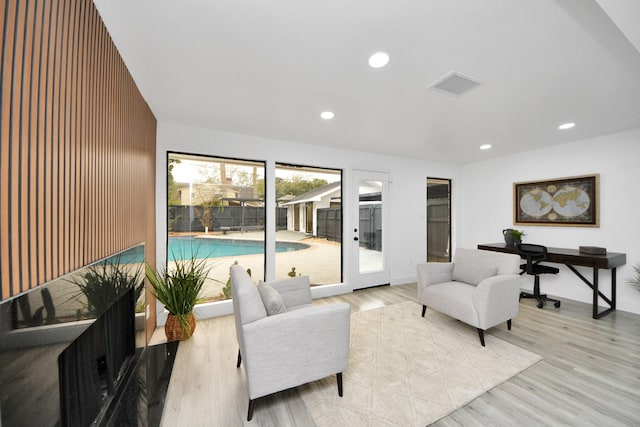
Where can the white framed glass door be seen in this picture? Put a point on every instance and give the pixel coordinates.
(369, 236)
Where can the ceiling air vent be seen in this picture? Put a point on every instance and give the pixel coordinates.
(455, 83)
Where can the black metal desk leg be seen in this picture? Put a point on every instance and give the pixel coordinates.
(595, 293)
(613, 288)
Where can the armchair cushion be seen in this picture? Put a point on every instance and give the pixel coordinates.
(246, 298)
(294, 291)
(453, 299)
(472, 274)
(271, 299)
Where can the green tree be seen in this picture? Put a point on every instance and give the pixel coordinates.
(172, 190)
(294, 186)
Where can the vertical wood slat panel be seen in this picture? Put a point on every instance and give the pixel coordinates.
(31, 116)
(71, 133)
(111, 145)
(82, 129)
(93, 155)
(77, 145)
(8, 26)
(61, 142)
(15, 160)
(64, 135)
(22, 171)
(99, 191)
(40, 141)
(88, 157)
(55, 140)
(78, 136)
(49, 259)
(96, 218)
(107, 157)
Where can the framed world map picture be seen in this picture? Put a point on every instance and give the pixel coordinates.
(571, 201)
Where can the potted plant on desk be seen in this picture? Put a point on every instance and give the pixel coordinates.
(512, 236)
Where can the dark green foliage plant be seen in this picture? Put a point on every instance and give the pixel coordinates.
(295, 186)
(635, 279)
(105, 282)
(172, 188)
(517, 235)
(178, 289)
(226, 290)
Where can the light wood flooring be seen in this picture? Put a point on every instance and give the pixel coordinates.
(590, 374)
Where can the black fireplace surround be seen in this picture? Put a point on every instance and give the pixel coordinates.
(73, 351)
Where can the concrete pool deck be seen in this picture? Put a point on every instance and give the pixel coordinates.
(321, 261)
(281, 235)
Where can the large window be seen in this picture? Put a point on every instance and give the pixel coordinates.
(216, 212)
(309, 213)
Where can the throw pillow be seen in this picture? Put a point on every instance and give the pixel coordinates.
(294, 290)
(271, 299)
(472, 274)
(244, 290)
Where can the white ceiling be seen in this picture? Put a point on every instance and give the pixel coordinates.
(270, 68)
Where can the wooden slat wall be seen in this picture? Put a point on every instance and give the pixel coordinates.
(77, 145)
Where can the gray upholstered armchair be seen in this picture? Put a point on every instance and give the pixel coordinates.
(480, 288)
(284, 340)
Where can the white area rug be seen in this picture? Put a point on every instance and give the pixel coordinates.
(411, 371)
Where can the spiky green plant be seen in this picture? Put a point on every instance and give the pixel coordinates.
(178, 289)
(105, 282)
(226, 290)
(635, 279)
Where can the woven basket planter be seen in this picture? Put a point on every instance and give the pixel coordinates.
(173, 330)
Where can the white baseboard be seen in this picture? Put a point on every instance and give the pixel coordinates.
(403, 280)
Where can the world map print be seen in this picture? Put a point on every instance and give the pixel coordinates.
(565, 201)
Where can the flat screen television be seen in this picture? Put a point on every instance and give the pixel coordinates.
(65, 345)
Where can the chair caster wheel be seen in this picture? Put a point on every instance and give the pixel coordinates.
(557, 304)
(540, 305)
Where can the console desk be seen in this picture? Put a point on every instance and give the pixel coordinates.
(572, 258)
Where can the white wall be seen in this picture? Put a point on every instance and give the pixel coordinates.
(407, 188)
(487, 207)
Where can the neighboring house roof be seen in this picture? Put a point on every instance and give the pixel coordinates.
(286, 198)
(315, 195)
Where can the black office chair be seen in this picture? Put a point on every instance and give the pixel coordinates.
(534, 254)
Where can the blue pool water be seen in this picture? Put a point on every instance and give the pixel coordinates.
(185, 247)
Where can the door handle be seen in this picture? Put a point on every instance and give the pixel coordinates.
(355, 239)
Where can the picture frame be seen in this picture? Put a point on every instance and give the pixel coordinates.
(570, 201)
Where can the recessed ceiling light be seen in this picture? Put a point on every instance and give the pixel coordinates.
(327, 115)
(485, 146)
(379, 59)
(565, 126)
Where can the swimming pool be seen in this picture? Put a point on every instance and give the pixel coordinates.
(187, 246)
